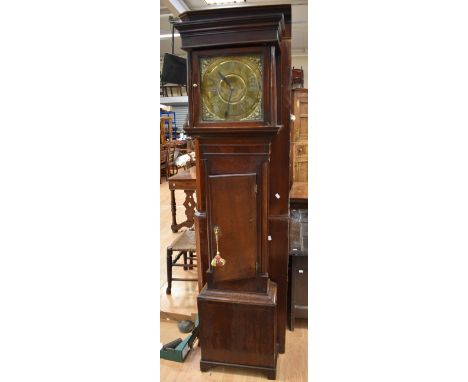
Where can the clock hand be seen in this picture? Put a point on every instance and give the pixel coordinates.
(229, 103)
(223, 77)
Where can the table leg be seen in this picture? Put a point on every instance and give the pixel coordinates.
(174, 226)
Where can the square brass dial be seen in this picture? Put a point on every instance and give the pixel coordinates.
(231, 88)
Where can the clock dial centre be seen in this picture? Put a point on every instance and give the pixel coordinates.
(232, 89)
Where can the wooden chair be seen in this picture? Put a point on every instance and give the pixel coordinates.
(184, 244)
(172, 153)
(162, 162)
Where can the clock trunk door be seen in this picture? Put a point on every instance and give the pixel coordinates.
(234, 211)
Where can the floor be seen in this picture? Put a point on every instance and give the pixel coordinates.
(292, 365)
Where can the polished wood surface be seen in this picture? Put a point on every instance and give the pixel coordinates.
(298, 196)
(279, 181)
(235, 187)
(184, 180)
(245, 343)
(235, 193)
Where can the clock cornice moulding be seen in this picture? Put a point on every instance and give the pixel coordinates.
(257, 10)
(231, 31)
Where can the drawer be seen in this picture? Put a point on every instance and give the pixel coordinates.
(300, 150)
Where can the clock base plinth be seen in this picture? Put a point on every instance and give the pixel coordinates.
(238, 329)
(270, 372)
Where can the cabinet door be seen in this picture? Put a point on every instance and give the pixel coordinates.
(233, 208)
(300, 125)
(300, 170)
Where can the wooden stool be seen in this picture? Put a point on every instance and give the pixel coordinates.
(185, 245)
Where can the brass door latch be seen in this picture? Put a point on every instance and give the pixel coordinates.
(217, 261)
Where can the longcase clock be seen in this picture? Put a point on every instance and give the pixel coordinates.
(235, 80)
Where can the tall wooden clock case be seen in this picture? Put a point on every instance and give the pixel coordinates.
(238, 81)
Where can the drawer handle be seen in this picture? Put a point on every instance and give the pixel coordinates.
(217, 260)
(301, 271)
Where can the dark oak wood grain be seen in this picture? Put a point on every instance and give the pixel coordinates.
(234, 336)
(279, 181)
(241, 169)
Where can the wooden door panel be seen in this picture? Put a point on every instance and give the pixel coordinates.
(300, 171)
(234, 211)
(303, 127)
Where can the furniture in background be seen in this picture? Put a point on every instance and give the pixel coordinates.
(298, 198)
(167, 128)
(184, 244)
(185, 180)
(298, 259)
(297, 77)
(162, 162)
(299, 133)
(169, 90)
(174, 152)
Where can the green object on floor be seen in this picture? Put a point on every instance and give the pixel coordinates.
(179, 353)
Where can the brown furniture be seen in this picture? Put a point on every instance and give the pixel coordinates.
(184, 180)
(298, 269)
(174, 149)
(297, 77)
(299, 152)
(298, 197)
(298, 276)
(166, 130)
(162, 162)
(185, 245)
(239, 108)
(298, 255)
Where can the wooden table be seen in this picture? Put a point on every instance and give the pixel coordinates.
(298, 198)
(184, 180)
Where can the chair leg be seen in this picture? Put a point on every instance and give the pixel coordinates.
(185, 260)
(191, 259)
(169, 270)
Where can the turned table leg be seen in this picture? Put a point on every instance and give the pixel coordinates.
(174, 226)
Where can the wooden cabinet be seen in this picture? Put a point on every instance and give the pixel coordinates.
(298, 268)
(299, 134)
(298, 305)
